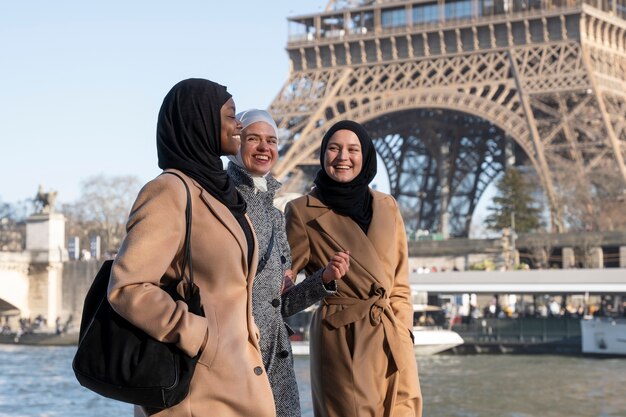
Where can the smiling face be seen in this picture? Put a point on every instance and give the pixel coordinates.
(343, 159)
(259, 148)
(230, 137)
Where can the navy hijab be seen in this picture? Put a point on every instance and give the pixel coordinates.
(352, 199)
(188, 138)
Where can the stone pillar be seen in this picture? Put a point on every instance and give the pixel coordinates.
(45, 291)
(45, 241)
(622, 256)
(597, 258)
(568, 257)
(45, 237)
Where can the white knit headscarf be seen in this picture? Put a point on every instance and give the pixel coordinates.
(247, 118)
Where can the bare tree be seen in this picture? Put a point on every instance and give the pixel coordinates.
(539, 247)
(102, 209)
(609, 195)
(12, 226)
(597, 205)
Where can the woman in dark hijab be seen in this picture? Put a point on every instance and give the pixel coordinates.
(362, 359)
(196, 125)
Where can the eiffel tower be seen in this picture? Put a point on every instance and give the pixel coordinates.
(455, 91)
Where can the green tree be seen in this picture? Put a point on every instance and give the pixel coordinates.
(515, 194)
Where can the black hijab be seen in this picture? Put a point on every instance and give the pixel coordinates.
(352, 198)
(188, 138)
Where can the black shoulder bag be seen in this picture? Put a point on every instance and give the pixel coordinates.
(119, 361)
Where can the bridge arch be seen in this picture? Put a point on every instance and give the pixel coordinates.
(15, 286)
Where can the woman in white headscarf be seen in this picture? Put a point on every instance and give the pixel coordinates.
(250, 172)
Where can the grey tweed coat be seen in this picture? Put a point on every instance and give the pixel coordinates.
(268, 307)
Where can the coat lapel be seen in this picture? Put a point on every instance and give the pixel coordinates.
(349, 236)
(381, 231)
(229, 221)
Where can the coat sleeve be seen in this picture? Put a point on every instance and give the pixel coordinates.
(153, 243)
(312, 289)
(305, 294)
(400, 297)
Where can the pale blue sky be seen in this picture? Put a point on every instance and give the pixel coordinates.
(81, 82)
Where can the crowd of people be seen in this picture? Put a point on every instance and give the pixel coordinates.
(27, 326)
(542, 307)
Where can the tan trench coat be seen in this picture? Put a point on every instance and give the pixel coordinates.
(362, 360)
(229, 379)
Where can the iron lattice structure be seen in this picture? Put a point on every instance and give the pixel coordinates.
(454, 91)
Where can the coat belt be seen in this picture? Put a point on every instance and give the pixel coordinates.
(379, 310)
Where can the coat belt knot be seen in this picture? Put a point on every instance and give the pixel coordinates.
(357, 309)
(378, 308)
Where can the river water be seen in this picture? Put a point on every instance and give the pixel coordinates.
(39, 382)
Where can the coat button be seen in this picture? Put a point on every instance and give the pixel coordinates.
(276, 302)
(284, 354)
(283, 259)
(258, 370)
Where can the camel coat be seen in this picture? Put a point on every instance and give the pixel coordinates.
(229, 379)
(362, 359)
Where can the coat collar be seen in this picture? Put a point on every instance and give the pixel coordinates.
(368, 250)
(243, 180)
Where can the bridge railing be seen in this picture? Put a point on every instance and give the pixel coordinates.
(522, 329)
(348, 24)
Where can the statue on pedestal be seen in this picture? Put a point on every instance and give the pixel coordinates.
(44, 201)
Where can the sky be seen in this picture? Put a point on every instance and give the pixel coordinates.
(81, 82)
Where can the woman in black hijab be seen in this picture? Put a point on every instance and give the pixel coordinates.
(362, 360)
(186, 140)
(189, 137)
(350, 197)
(196, 125)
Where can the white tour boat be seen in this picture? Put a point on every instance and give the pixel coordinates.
(429, 334)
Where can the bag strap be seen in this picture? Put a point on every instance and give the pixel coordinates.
(266, 257)
(187, 257)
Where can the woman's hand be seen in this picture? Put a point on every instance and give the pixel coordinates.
(337, 267)
(288, 283)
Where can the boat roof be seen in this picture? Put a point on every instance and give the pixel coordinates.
(425, 307)
(546, 281)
